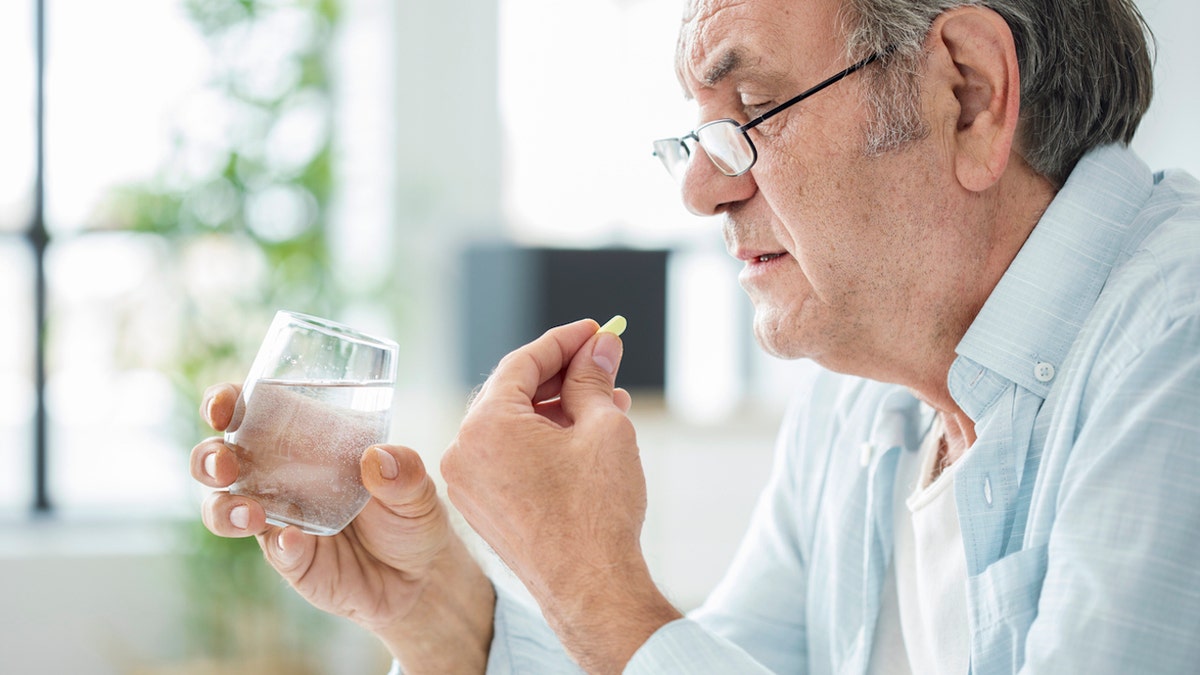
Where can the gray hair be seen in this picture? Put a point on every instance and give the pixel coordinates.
(1085, 66)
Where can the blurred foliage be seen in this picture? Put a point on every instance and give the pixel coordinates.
(241, 207)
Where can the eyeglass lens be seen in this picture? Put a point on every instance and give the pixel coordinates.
(723, 142)
(726, 146)
(674, 154)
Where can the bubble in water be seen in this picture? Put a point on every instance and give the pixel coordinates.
(299, 446)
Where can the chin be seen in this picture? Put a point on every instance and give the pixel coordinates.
(778, 337)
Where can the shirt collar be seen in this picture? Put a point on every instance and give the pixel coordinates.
(1026, 327)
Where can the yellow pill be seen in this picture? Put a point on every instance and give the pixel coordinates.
(615, 325)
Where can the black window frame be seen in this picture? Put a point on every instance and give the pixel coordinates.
(38, 240)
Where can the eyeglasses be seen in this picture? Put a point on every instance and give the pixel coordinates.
(726, 142)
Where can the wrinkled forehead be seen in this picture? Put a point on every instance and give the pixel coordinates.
(756, 39)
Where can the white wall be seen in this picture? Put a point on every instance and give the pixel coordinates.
(1169, 136)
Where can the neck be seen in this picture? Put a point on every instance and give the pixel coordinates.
(959, 435)
(991, 237)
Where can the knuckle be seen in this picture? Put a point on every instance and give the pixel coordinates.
(208, 512)
(593, 378)
(474, 396)
(461, 455)
(449, 464)
(615, 425)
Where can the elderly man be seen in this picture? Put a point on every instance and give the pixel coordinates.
(1003, 475)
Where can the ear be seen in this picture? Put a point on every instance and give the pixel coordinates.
(976, 85)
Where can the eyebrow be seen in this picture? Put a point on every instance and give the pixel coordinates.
(729, 62)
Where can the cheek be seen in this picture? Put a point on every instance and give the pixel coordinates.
(822, 202)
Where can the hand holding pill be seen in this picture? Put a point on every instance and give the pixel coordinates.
(546, 468)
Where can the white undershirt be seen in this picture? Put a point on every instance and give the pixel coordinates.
(922, 626)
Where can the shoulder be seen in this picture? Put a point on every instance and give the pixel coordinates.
(1156, 283)
(1148, 314)
(1170, 253)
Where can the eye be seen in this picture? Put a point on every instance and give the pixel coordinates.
(753, 108)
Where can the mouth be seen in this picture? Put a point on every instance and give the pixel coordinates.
(755, 258)
(760, 266)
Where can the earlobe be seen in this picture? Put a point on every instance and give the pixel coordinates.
(983, 81)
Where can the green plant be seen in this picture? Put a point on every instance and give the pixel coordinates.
(240, 207)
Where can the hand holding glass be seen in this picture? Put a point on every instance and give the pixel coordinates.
(318, 394)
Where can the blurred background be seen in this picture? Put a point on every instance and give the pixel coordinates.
(457, 175)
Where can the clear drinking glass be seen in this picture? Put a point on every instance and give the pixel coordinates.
(317, 395)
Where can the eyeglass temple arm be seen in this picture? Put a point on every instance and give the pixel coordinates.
(814, 89)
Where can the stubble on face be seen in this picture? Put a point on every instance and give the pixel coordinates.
(848, 222)
(890, 257)
(728, 51)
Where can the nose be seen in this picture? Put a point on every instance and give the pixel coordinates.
(707, 191)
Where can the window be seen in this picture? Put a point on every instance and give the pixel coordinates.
(578, 125)
(159, 118)
(18, 134)
(109, 111)
(17, 116)
(16, 375)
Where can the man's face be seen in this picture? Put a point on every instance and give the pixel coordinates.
(831, 238)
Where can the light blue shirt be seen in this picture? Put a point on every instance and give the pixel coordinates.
(1079, 503)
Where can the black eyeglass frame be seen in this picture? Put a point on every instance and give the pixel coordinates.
(743, 128)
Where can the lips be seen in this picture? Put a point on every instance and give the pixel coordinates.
(761, 265)
(753, 245)
(758, 257)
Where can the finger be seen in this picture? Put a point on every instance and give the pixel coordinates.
(213, 463)
(552, 410)
(218, 403)
(523, 371)
(549, 405)
(289, 550)
(549, 389)
(622, 400)
(396, 478)
(227, 515)
(589, 378)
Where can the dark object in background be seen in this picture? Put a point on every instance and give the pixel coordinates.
(513, 294)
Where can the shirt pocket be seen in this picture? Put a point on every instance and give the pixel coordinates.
(1002, 603)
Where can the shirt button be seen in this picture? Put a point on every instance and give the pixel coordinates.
(987, 491)
(1044, 372)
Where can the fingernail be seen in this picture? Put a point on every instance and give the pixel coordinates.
(286, 556)
(387, 464)
(240, 517)
(607, 352)
(207, 407)
(210, 465)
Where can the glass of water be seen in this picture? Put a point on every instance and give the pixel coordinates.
(317, 395)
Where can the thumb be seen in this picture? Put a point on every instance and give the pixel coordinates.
(396, 477)
(590, 376)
